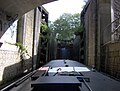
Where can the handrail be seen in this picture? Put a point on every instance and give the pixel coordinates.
(18, 82)
(112, 31)
(111, 23)
(87, 85)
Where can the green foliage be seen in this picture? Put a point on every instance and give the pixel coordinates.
(22, 49)
(79, 30)
(44, 31)
(66, 25)
(44, 27)
(44, 35)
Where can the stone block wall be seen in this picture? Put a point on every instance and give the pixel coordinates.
(97, 17)
(90, 27)
(99, 50)
(9, 65)
(76, 48)
(111, 59)
(28, 31)
(104, 18)
(103, 34)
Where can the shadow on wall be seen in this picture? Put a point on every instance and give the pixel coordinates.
(16, 71)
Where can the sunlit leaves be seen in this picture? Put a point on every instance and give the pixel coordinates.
(66, 25)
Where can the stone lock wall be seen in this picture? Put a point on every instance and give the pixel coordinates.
(110, 63)
(97, 17)
(90, 26)
(28, 31)
(10, 65)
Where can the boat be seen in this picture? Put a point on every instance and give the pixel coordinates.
(60, 75)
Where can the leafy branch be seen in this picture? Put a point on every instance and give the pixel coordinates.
(22, 49)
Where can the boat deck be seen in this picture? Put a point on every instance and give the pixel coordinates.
(98, 81)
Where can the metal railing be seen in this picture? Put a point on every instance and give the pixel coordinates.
(111, 33)
(18, 82)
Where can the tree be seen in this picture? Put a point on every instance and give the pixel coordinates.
(66, 25)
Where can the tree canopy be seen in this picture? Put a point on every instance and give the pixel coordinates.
(66, 25)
